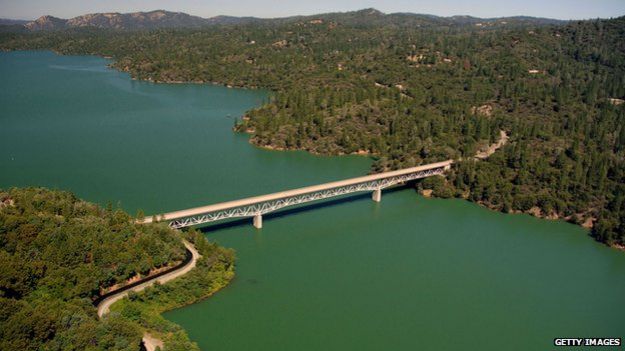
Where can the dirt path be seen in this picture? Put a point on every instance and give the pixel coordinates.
(503, 139)
(104, 305)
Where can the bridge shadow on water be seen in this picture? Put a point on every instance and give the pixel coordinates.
(344, 199)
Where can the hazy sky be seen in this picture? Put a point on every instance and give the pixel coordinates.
(562, 9)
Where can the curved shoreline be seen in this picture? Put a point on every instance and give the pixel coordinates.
(104, 302)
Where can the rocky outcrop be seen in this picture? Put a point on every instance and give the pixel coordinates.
(46, 23)
(137, 20)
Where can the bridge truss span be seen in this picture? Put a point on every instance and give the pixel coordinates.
(257, 206)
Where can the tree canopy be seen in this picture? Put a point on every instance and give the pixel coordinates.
(57, 252)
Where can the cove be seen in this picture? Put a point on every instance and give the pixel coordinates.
(70, 122)
(408, 273)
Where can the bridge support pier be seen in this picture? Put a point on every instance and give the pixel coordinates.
(376, 195)
(258, 221)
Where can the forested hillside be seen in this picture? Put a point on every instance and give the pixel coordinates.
(410, 89)
(57, 251)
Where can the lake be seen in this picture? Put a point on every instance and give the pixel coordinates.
(407, 273)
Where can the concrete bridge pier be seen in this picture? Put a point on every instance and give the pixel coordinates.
(377, 195)
(258, 221)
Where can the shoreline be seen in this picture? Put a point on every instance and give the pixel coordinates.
(213, 271)
(173, 81)
(363, 153)
(269, 147)
(428, 193)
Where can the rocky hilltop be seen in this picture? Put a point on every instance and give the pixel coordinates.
(131, 21)
(137, 20)
(46, 23)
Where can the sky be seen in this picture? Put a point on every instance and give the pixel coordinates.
(560, 9)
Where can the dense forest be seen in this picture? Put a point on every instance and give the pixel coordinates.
(408, 89)
(57, 252)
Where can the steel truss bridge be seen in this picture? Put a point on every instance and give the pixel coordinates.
(257, 206)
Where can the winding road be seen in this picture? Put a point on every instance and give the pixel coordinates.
(105, 304)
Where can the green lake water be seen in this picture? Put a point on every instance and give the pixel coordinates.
(408, 273)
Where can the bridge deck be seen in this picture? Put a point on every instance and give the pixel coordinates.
(295, 192)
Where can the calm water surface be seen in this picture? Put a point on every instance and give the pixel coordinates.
(69, 122)
(408, 273)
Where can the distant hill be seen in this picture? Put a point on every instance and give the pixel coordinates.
(11, 25)
(11, 22)
(373, 17)
(366, 17)
(132, 21)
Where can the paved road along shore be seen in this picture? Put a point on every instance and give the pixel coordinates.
(104, 305)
